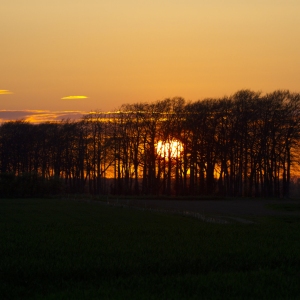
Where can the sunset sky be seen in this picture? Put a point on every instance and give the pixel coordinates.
(64, 55)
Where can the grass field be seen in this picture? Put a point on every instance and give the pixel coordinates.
(59, 249)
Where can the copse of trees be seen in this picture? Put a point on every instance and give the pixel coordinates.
(243, 145)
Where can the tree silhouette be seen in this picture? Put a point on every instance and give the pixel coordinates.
(246, 144)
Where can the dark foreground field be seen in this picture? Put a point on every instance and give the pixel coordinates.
(59, 249)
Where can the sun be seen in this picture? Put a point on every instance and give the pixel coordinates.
(168, 149)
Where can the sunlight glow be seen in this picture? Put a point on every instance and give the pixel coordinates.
(74, 97)
(168, 149)
(5, 92)
(40, 116)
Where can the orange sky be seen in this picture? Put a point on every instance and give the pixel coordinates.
(114, 52)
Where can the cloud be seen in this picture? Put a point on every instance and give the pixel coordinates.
(5, 92)
(39, 116)
(74, 97)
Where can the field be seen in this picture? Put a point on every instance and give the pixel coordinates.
(71, 249)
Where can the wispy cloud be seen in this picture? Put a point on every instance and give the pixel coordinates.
(5, 92)
(39, 116)
(74, 97)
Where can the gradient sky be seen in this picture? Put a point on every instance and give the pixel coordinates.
(114, 51)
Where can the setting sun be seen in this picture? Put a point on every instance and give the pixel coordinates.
(168, 149)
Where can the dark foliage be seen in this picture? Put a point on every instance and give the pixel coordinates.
(29, 185)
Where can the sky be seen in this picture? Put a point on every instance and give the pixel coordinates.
(77, 56)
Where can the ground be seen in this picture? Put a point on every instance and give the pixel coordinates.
(241, 209)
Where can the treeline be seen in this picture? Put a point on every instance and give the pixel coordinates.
(243, 145)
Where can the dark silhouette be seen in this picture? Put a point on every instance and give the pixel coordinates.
(242, 145)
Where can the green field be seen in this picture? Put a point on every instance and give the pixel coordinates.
(59, 249)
